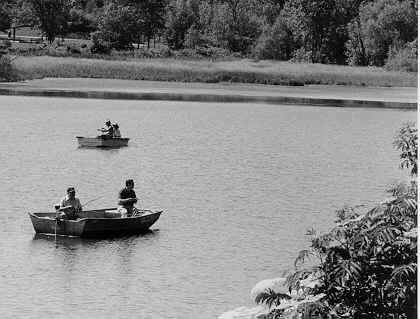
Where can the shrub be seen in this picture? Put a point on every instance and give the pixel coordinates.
(213, 52)
(143, 52)
(7, 69)
(203, 52)
(195, 38)
(406, 141)
(73, 50)
(301, 55)
(404, 59)
(5, 46)
(99, 44)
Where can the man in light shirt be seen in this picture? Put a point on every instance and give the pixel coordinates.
(70, 205)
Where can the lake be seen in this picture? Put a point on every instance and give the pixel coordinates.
(239, 185)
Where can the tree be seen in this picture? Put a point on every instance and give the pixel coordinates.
(52, 16)
(152, 13)
(320, 27)
(366, 266)
(276, 41)
(5, 18)
(182, 14)
(236, 26)
(22, 14)
(118, 28)
(81, 22)
(381, 25)
(271, 10)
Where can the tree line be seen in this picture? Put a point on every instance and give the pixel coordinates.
(355, 32)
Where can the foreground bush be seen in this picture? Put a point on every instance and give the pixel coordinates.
(366, 266)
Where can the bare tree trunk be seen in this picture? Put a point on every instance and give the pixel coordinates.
(362, 47)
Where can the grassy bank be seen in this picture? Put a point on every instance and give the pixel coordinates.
(207, 71)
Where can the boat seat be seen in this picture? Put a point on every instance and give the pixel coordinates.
(114, 213)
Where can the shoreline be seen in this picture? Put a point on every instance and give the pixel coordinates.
(316, 95)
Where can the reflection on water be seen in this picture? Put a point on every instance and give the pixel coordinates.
(102, 148)
(240, 183)
(202, 97)
(73, 241)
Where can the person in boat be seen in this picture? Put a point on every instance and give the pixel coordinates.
(116, 128)
(70, 206)
(126, 199)
(108, 130)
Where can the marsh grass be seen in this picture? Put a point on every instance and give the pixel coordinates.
(208, 71)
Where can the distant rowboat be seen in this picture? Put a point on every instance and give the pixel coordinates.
(94, 223)
(102, 142)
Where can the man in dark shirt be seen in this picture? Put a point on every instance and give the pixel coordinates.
(127, 199)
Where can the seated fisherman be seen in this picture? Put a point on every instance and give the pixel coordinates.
(127, 199)
(108, 130)
(69, 206)
(116, 128)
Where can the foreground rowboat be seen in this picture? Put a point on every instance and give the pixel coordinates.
(94, 223)
(102, 142)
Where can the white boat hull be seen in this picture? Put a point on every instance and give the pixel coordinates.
(98, 223)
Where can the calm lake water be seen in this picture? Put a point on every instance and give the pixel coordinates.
(239, 183)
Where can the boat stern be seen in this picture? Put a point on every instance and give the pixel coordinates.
(45, 223)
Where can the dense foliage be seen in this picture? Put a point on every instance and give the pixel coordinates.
(117, 28)
(356, 32)
(5, 18)
(366, 266)
(380, 27)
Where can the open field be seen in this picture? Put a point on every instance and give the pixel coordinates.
(208, 71)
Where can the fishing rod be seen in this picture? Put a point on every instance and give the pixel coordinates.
(92, 200)
(57, 206)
